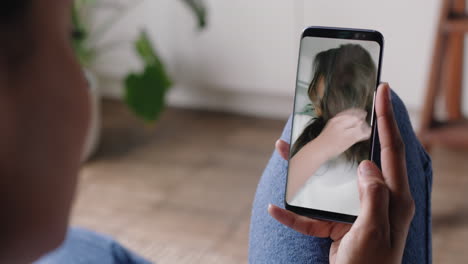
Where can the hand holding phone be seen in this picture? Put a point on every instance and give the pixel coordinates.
(380, 231)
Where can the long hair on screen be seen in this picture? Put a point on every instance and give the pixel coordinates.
(349, 76)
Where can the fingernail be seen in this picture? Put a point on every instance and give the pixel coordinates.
(366, 168)
(269, 206)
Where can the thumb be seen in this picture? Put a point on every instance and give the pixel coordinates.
(374, 196)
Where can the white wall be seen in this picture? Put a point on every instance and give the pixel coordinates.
(246, 60)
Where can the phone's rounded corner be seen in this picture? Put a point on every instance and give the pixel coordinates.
(379, 37)
(306, 31)
(311, 31)
(292, 208)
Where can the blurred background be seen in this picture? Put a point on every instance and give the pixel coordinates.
(190, 96)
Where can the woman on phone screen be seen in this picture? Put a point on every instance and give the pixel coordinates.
(325, 156)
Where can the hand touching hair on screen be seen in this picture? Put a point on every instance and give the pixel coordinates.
(341, 91)
(380, 231)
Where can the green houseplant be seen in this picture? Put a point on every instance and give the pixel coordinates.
(145, 90)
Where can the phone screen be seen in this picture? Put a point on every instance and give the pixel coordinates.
(332, 122)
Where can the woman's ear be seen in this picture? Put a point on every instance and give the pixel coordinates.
(321, 87)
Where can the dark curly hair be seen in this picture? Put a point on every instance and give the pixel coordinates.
(349, 74)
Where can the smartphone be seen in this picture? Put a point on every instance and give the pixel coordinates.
(333, 122)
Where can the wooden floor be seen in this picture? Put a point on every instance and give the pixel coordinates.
(450, 206)
(180, 191)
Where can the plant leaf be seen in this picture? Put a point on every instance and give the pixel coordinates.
(146, 91)
(199, 9)
(144, 49)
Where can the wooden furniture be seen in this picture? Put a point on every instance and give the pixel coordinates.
(445, 78)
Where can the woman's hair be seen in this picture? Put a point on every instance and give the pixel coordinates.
(349, 75)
